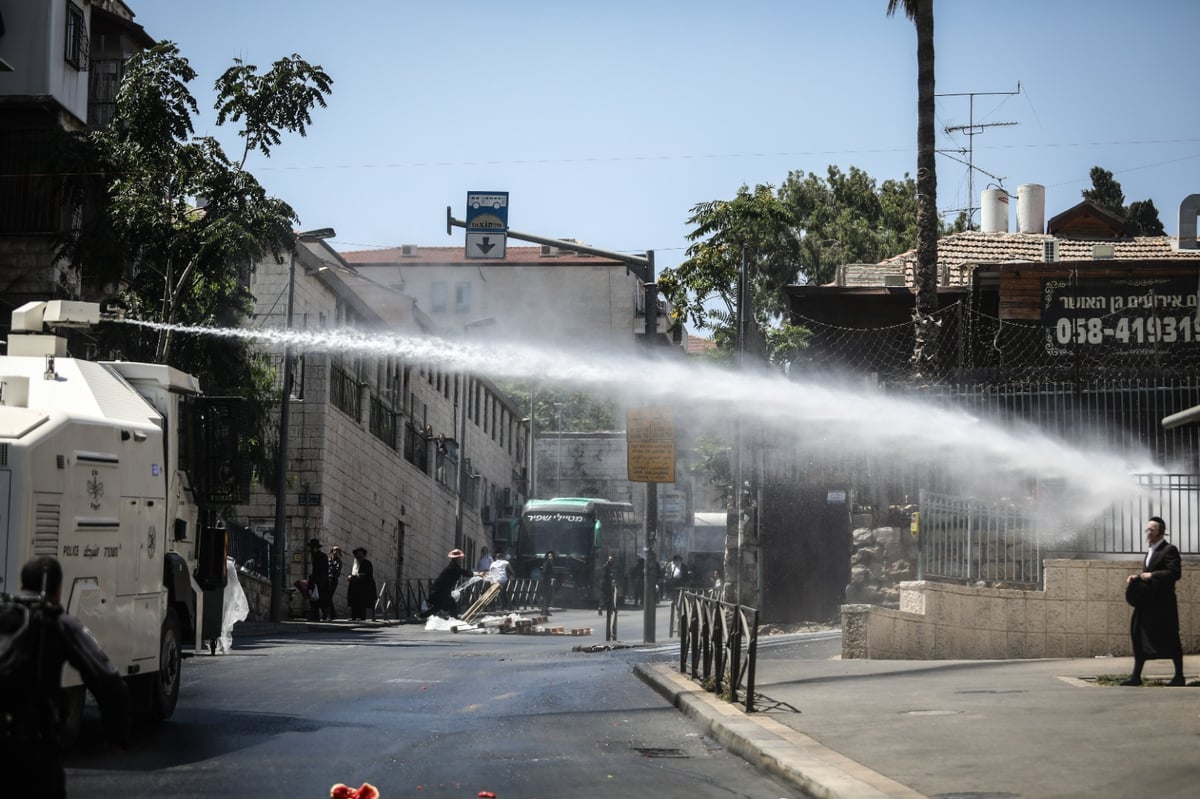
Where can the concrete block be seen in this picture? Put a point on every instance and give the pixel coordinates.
(1056, 617)
(1076, 584)
(1035, 613)
(1077, 617)
(1102, 584)
(1076, 645)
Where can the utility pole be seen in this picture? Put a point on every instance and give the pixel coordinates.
(278, 554)
(972, 130)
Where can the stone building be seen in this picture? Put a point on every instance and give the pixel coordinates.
(61, 62)
(538, 294)
(374, 441)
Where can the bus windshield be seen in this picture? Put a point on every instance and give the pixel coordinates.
(567, 533)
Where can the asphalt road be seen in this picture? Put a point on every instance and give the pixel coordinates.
(417, 713)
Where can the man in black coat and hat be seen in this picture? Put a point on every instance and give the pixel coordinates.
(441, 598)
(318, 578)
(361, 587)
(1154, 628)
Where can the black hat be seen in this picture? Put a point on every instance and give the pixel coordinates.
(359, 551)
(313, 542)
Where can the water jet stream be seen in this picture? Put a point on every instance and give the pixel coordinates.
(846, 418)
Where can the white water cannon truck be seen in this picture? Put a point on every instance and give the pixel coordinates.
(116, 469)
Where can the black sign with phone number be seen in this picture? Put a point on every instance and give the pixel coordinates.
(1120, 315)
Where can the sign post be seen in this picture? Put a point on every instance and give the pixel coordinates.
(486, 224)
(650, 459)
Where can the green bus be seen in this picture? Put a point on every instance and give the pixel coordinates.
(580, 531)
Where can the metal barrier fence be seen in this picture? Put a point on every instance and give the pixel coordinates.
(249, 550)
(969, 540)
(720, 640)
(403, 599)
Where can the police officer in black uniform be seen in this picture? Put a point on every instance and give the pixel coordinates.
(38, 637)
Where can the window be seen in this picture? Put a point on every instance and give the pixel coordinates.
(344, 394)
(383, 421)
(462, 297)
(437, 297)
(76, 50)
(416, 447)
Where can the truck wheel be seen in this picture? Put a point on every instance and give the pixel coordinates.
(164, 692)
(72, 720)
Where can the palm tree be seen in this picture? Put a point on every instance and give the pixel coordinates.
(925, 328)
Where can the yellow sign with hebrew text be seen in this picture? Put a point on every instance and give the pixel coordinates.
(650, 442)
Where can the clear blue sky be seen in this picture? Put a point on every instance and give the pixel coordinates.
(608, 121)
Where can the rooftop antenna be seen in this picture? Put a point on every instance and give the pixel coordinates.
(972, 130)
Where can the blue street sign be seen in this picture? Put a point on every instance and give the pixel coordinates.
(487, 211)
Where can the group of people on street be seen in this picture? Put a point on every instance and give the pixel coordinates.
(495, 570)
(669, 577)
(324, 575)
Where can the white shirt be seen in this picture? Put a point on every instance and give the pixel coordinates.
(498, 572)
(1150, 551)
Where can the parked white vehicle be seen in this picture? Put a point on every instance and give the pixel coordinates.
(112, 467)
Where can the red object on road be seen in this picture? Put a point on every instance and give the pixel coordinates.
(365, 791)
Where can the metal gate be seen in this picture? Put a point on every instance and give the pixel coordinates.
(999, 541)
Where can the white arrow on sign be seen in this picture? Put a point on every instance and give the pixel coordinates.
(485, 244)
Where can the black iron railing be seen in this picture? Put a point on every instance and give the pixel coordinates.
(718, 642)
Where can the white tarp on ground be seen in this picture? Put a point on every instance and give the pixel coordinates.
(236, 608)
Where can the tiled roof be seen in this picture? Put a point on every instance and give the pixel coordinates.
(960, 253)
(456, 256)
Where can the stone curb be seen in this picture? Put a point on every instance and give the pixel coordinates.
(795, 758)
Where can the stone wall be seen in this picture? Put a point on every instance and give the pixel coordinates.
(1080, 613)
(881, 559)
(258, 596)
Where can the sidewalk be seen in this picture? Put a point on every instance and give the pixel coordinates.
(862, 729)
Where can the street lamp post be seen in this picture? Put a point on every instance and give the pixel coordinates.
(279, 553)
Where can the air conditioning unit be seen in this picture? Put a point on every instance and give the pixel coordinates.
(548, 251)
(1050, 250)
(408, 250)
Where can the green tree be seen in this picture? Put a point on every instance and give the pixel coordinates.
(1105, 191)
(1141, 217)
(925, 333)
(755, 227)
(174, 226)
(849, 218)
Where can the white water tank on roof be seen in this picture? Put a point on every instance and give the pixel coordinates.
(1031, 208)
(993, 211)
